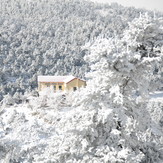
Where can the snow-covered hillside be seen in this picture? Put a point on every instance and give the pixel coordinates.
(113, 119)
(45, 37)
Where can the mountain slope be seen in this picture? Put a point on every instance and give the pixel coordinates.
(46, 37)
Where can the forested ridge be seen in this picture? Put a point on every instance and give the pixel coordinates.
(117, 117)
(45, 37)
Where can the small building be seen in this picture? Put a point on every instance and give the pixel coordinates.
(60, 83)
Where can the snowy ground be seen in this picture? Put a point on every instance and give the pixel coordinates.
(26, 128)
(29, 133)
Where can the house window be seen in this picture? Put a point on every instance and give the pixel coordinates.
(54, 87)
(74, 88)
(60, 87)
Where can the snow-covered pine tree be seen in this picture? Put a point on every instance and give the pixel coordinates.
(113, 123)
(128, 64)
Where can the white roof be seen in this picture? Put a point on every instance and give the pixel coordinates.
(64, 79)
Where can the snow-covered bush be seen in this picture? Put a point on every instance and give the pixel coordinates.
(8, 100)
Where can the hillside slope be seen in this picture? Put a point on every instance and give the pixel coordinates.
(46, 37)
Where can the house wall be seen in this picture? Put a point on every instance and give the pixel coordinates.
(44, 85)
(75, 83)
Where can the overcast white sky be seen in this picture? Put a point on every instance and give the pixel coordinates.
(147, 4)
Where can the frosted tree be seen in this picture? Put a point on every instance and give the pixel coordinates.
(127, 65)
(114, 123)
